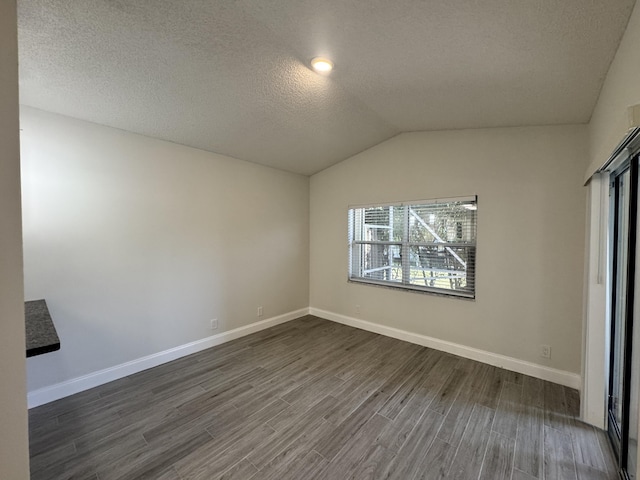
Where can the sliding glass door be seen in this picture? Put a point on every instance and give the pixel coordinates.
(620, 205)
(625, 340)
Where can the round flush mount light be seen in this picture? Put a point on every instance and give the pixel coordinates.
(322, 65)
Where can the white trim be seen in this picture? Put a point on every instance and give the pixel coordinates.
(562, 377)
(593, 405)
(432, 201)
(79, 384)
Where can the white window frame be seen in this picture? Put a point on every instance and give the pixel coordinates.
(408, 210)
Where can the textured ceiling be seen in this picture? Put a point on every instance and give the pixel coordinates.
(231, 76)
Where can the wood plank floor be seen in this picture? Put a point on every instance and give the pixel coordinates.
(312, 399)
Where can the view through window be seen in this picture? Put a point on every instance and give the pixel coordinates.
(428, 245)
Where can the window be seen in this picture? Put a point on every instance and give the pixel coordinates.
(428, 245)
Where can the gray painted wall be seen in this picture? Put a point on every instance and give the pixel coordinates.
(531, 211)
(14, 452)
(137, 243)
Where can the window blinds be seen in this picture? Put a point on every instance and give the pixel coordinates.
(428, 245)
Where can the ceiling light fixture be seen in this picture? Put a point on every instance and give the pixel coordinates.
(322, 65)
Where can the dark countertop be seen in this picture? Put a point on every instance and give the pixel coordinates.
(41, 333)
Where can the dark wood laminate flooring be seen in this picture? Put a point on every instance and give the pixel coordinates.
(312, 399)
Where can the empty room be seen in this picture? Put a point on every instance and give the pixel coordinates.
(319, 240)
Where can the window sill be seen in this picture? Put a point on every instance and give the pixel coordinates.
(428, 291)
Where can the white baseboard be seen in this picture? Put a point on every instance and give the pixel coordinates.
(562, 377)
(85, 382)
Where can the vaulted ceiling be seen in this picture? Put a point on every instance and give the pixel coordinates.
(233, 76)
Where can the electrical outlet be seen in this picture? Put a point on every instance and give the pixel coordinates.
(259, 311)
(214, 324)
(357, 308)
(545, 351)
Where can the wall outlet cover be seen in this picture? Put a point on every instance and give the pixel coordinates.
(545, 351)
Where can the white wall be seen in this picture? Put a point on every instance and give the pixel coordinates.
(531, 212)
(137, 243)
(14, 452)
(621, 89)
(609, 123)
